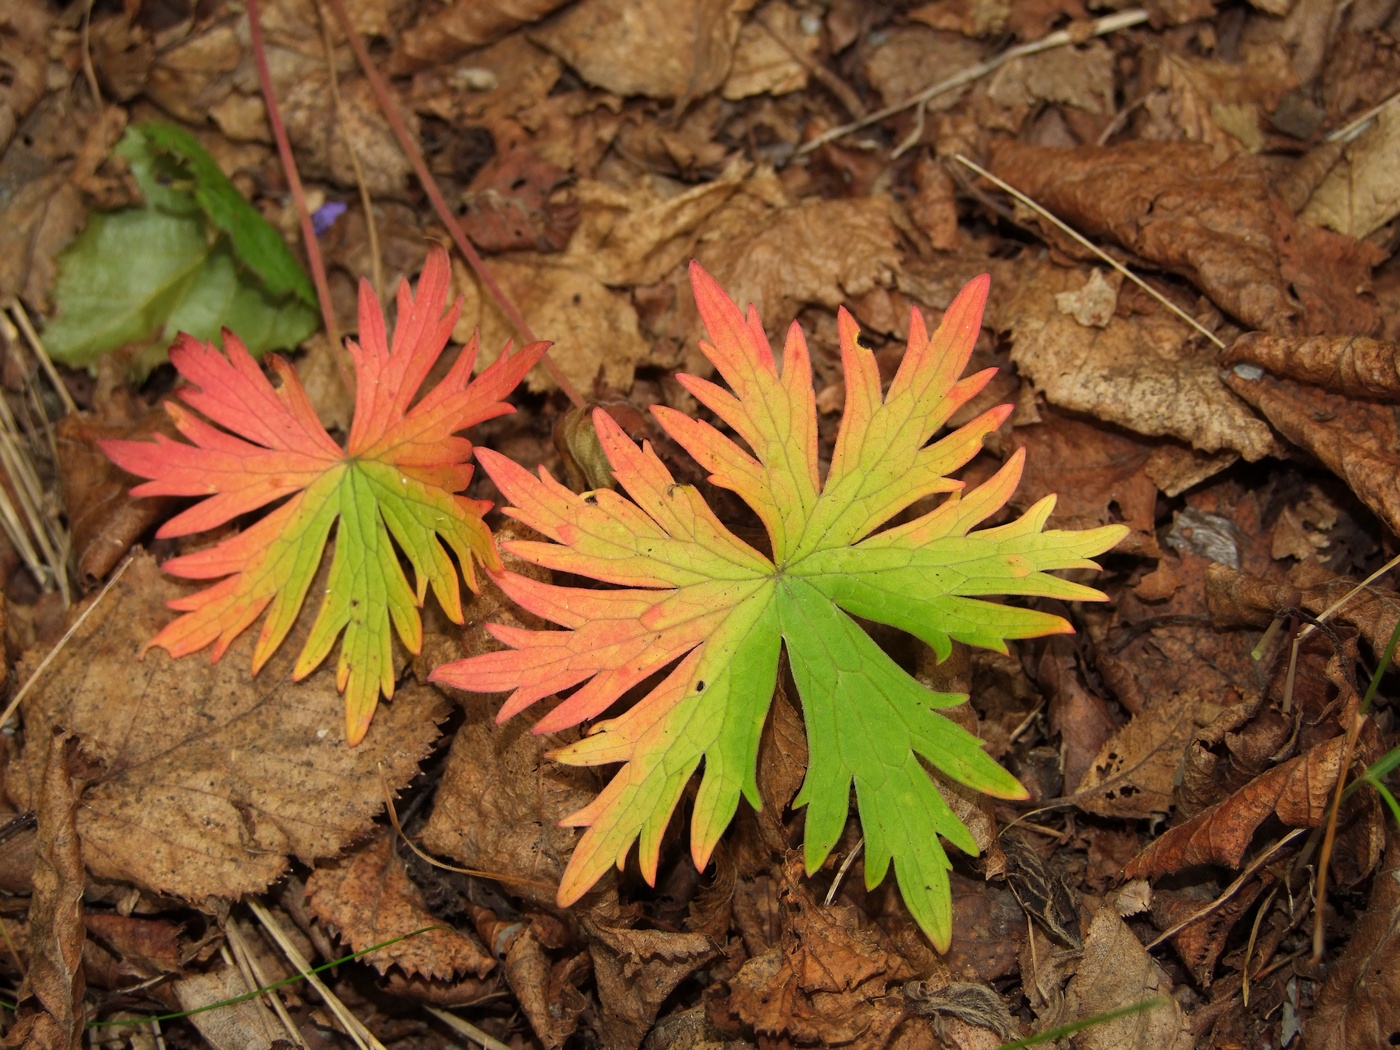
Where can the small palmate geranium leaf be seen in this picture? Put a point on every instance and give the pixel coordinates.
(393, 488)
(689, 590)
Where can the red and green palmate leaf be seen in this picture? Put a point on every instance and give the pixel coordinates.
(393, 488)
(691, 594)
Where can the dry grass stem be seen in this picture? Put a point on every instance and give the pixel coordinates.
(467, 1029)
(1080, 238)
(362, 1036)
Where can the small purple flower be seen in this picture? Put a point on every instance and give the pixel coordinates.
(323, 218)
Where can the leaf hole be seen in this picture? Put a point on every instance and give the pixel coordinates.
(700, 686)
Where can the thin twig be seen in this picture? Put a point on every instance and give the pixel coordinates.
(430, 187)
(1329, 837)
(1100, 27)
(845, 94)
(289, 166)
(393, 813)
(89, 73)
(52, 653)
(1230, 890)
(466, 1028)
(841, 871)
(352, 1025)
(1079, 237)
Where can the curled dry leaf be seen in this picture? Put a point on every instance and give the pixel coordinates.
(50, 1012)
(1224, 228)
(1148, 372)
(1354, 439)
(637, 969)
(368, 898)
(1355, 365)
(212, 780)
(1237, 598)
(1297, 792)
(1359, 1005)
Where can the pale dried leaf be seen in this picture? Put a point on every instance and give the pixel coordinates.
(213, 778)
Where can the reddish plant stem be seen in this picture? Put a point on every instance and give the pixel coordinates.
(289, 166)
(454, 228)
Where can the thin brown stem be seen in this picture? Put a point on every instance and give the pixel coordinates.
(289, 165)
(454, 228)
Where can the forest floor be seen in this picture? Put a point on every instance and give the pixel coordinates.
(1200, 835)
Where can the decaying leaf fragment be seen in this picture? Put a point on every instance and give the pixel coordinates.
(393, 487)
(691, 591)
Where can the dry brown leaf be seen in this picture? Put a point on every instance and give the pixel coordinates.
(1146, 372)
(1358, 1007)
(1359, 194)
(670, 49)
(1354, 365)
(1135, 771)
(638, 234)
(500, 801)
(444, 32)
(368, 898)
(1297, 792)
(50, 1013)
(1354, 439)
(1097, 473)
(1224, 228)
(1113, 972)
(594, 330)
(245, 1025)
(210, 778)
